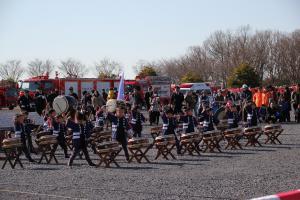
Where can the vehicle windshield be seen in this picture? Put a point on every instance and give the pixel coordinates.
(30, 86)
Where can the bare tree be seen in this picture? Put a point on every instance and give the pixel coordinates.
(107, 68)
(38, 67)
(11, 70)
(73, 68)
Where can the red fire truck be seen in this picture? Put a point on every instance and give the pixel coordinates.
(8, 94)
(63, 85)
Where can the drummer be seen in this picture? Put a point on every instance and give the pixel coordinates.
(100, 117)
(231, 115)
(189, 121)
(77, 125)
(169, 126)
(250, 114)
(121, 128)
(59, 130)
(20, 133)
(208, 120)
(137, 118)
(29, 126)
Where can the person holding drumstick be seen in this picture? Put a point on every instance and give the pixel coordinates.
(59, 130)
(169, 126)
(137, 118)
(20, 133)
(77, 126)
(188, 120)
(121, 128)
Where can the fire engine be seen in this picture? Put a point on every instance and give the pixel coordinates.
(161, 85)
(8, 94)
(63, 85)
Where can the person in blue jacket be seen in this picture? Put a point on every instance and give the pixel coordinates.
(59, 130)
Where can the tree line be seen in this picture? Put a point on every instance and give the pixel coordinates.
(274, 56)
(14, 69)
(265, 56)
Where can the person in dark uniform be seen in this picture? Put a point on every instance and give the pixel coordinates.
(79, 143)
(177, 100)
(148, 96)
(21, 133)
(208, 120)
(231, 115)
(121, 128)
(40, 101)
(24, 100)
(189, 121)
(137, 118)
(72, 93)
(29, 126)
(59, 130)
(250, 114)
(100, 116)
(170, 125)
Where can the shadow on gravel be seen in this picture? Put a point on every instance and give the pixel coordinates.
(168, 163)
(281, 147)
(130, 168)
(237, 153)
(261, 149)
(216, 156)
(195, 160)
(44, 169)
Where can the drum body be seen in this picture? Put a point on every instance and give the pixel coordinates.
(105, 147)
(47, 140)
(189, 136)
(63, 103)
(165, 138)
(272, 127)
(252, 129)
(11, 143)
(135, 141)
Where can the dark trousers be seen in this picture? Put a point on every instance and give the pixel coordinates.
(154, 117)
(62, 144)
(123, 140)
(80, 146)
(25, 149)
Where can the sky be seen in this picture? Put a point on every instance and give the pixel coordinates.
(128, 30)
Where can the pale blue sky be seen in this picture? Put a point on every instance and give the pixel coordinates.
(128, 30)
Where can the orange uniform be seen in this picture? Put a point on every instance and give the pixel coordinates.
(258, 99)
(266, 96)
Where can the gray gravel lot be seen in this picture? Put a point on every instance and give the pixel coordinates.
(232, 174)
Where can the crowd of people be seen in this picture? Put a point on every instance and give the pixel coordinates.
(192, 110)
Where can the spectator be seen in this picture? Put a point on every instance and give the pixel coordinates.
(296, 102)
(97, 100)
(177, 100)
(24, 100)
(72, 93)
(52, 96)
(190, 100)
(148, 96)
(257, 98)
(104, 95)
(40, 101)
(288, 98)
(246, 94)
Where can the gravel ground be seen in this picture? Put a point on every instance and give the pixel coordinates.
(232, 174)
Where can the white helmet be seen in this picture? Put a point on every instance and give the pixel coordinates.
(245, 86)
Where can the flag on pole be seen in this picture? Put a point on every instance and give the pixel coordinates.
(121, 88)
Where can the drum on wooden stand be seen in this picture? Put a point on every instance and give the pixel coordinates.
(10, 143)
(63, 103)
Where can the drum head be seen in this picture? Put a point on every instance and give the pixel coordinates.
(220, 114)
(60, 104)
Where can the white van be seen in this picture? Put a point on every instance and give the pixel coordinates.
(194, 87)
